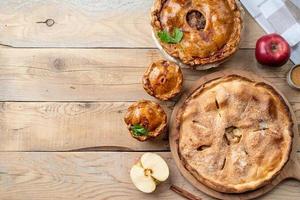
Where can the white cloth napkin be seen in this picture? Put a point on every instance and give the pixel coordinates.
(296, 3)
(280, 16)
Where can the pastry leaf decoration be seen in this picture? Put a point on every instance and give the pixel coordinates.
(175, 38)
(138, 130)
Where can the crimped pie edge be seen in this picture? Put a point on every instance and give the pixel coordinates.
(241, 187)
(199, 63)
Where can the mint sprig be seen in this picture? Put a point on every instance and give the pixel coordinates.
(175, 38)
(138, 130)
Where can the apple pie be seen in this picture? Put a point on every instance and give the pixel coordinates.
(145, 120)
(197, 33)
(163, 80)
(235, 134)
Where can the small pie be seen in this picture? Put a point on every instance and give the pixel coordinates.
(211, 29)
(163, 80)
(235, 134)
(145, 119)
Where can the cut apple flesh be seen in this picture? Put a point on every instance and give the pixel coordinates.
(144, 183)
(148, 172)
(160, 169)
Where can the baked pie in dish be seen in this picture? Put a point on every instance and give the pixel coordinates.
(145, 120)
(211, 30)
(163, 80)
(235, 134)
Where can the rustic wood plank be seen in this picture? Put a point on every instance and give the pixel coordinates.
(79, 23)
(100, 74)
(59, 126)
(69, 126)
(95, 175)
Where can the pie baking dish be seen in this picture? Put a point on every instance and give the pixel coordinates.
(235, 134)
(211, 28)
(163, 80)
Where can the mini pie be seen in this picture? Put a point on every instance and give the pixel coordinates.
(235, 134)
(163, 80)
(211, 28)
(149, 115)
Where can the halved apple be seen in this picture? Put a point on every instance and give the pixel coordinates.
(149, 172)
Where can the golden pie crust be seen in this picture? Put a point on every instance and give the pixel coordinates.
(211, 28)
(235, 134)
(163, 80)
(148, 114)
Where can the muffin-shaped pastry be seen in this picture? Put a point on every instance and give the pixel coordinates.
(197, 33)
(145, 120)
(163, 80)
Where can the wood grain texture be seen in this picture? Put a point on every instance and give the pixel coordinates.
(79, 23)
(70, 126)
(97, 175)
(101, 74)
(107, 76)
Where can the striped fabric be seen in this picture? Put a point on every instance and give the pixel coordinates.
(280, 16)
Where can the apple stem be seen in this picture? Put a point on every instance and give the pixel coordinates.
(273, 46)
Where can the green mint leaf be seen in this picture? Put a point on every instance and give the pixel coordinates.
(164, 36)
(138, 130)
(178, 35)
(175, 38)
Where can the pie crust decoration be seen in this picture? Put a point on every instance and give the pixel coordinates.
(211, 28)
(163, 80)
(235, 134)
(149, 115)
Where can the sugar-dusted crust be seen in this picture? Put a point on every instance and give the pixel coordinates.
(163, 80)
(235, 135)
(148, 114)
(215, 43)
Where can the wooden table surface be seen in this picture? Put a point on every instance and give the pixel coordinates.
(68, 71)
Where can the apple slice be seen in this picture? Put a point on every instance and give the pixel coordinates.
(144, 182)
(149, 172)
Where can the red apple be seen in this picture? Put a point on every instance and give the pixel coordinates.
(272, 50)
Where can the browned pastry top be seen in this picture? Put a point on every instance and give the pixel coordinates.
(235, 134)
(163, 80)
(211, 28)
(149, 115)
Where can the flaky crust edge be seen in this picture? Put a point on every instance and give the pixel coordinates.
(242, 187)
